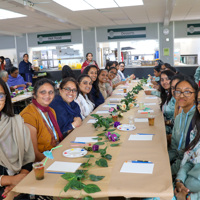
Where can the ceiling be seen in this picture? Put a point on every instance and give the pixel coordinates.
(51, 16)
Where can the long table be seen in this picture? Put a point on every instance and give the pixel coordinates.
(158, 184)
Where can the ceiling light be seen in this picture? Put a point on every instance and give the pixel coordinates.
(6, 14)
(125, 3)
(100, 4)
(74, 5)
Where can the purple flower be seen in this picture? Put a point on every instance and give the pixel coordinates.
(116, 124)
(95, 147)
(114, 137)
(118, 108)
(109, 135)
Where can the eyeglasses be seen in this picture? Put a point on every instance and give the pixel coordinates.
(69, 90)
(43, 92)
(178, 93)
(2, 96)
(86, 83)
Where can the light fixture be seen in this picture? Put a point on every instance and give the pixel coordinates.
(75, 5)
(100, 4)
(125, 3)
(6, 14)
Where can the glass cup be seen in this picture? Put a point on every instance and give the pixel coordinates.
(141, 105)
(130, 120)
(16, 91)
(129, 80)
(125, 90)
(115, 116)
(151, 119)
(39, 170)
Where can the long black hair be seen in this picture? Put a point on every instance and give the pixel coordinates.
(166, 95)
(178, 77)
(109, 64)
(95, 83)
(80, 78)
(8, 108)
(157, 68)
(67, 72)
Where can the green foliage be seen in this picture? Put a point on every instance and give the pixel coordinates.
(99, 143)
(95, 178)
(108, 156)
(88, 156)
(91, 188)
(114, 145)
(88, 198)
(102, 162)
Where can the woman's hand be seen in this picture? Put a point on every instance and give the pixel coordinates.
(77, 122)
(180, 187)
(29, 83)
(180, 195)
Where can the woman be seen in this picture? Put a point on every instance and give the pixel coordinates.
(2, 61)
(185, 94)
(109, 64)
(16, 81)
(96, 95)
(167, 66)
(157, 72)
(41, 119)
(197, 75)
(84, 99)
(112, 72)
(159, 63)
(187, 179)
(120, 71)
(15, 164)
(4, 77)
(67, 110)
(167, 100)
(67, 72)
(88, 61)
(103, 78)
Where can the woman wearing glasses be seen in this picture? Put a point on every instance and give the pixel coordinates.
(41, 119)
(185, 94)
(67, 110)
(16, 149)
(84, 99)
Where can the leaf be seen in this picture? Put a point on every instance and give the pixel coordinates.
(101, 134)
(88, 156)
(102, 151)
(67, 186)
(111, 130)
(91, 188)
(114, 145)
(95, 138)
(80, 174)
(102, 162)
(108, 156)
(95, 178)
(99, 143)
(71, 198)
(84, 165)
(95, 115)
(88, 198)
(68, 176)
(77, 185)
(99, 138)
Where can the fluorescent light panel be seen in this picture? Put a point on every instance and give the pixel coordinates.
(100, 4)
(6, 14)
(125, 3)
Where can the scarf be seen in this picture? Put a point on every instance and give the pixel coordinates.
(51, 116)
(16, 149)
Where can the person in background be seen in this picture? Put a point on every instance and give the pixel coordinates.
(112, 73)
(4, 77)
(121, 70)
(25, 68)
(159, 63)
(16, 149)
(8, 65)
(157, 72)
(117, 78)
(67, 110)
(89, 61)
(16, 81)
(109, 64)
(2, 60)
(84, 99)
(167, 100)
(185, 94)
(67, 72)
(167, 66)
(41, 119)
(96, 95)
(187, 180)
(103, 79)
(197, 75)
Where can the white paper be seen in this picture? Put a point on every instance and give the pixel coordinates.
(85, 139)
(151, 97)
(135, 81)
(141, 119)
(120, 90)
(91, 121)
(110, 105)
(141, 137)
(150, 89)
(102, 112)
(115, 100)
(149, 104)
(59, 166)
(124, 86)
(138, 168)
(123, 94)
(149, 111)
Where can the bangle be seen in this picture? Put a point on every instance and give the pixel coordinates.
(0, 180)
(178, 181)
(73, 126)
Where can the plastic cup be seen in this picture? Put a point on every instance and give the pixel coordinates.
(16, 91)
(115, 117)
(141, 105)
(130, 120)
(125, 90)
(151, 120)
(39, 170)
(129, 80)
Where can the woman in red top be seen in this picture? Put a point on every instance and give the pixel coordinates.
(2, 66)
(88, 61)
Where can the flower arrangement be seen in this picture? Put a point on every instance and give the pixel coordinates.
(112, 136)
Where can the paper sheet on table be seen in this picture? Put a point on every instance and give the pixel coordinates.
(135, 81)
(148, 111)
(91, 121)
(110, 105)
(141, 119)
(151, 97)
(150, 104)
(123, 94)
(124, 86)
(141, 137)
(86, 139)
(120, 90)
(150, 89)
(137, 168)
(115, 100)
(58, 166)
(102, 112)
